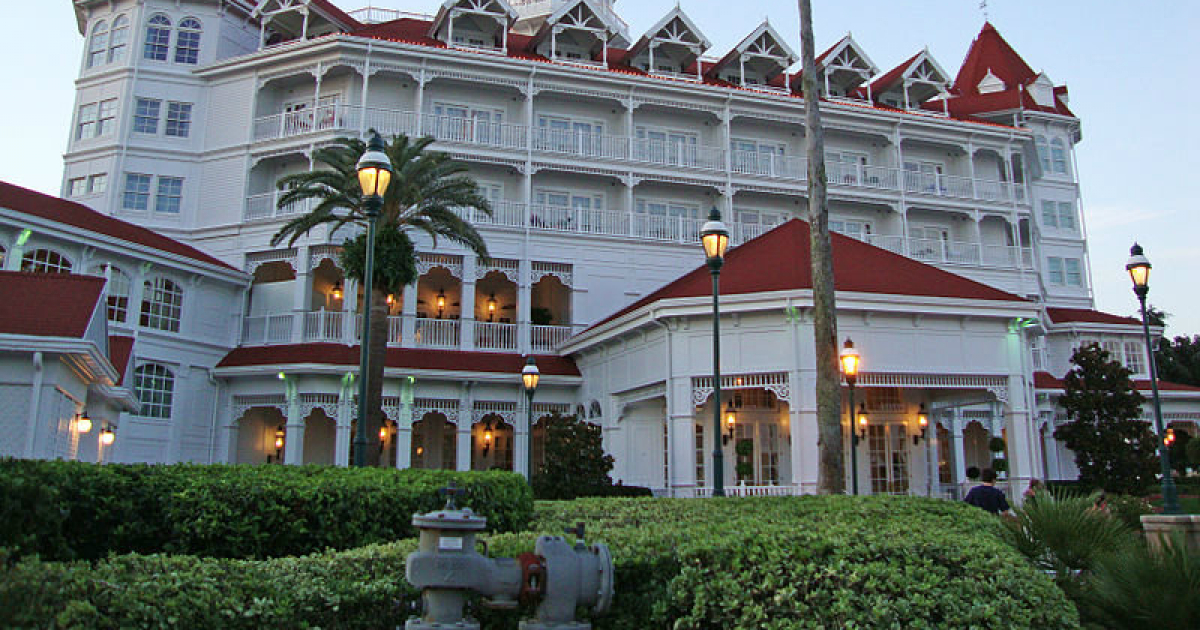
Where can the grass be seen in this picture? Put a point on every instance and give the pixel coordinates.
(1190, 504)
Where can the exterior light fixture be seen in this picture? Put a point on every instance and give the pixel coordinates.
(1170, 438)
(1138, 267)
(491, 306)
(851, 360)
(530, 375)
(107, 436)
(279, 435)
(83, 424)
(383, 433)
(730, 422)
(441, 302)
(374, 168)
(862, 421)
(390, 299)
(714, 236)
(336, 293)
(922, 425)
(282, 376)
(487, 438)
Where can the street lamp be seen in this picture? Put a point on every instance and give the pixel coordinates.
(1139, 271)
(715, 238)
(850, 362)
(374, 175)
(529, 378)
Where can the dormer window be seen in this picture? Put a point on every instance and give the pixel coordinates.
(670, 47)
(482, 24)
(990, 83)
(844, 68)
(756, 60)
(579, 31)
(912, 83)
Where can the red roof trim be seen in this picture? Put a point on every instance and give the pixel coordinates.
(36, 204)
(337, 14)
(401, 358)
(120, 348)
(48, 305)
(1046, 380)
(1088, 316)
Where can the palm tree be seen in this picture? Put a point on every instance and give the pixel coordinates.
(426, 191)
(831, 476)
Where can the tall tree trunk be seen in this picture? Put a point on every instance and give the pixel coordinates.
(378, 356)
(832, 469)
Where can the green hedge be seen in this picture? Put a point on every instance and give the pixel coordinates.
(734, 564)
(72, 510)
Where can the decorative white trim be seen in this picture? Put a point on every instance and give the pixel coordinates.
(506, 410)
(996, 385)
(427, 261)
(317, 253)
(253, 260)
(241, 404)
(327, 403)
(774, 382)
(564, 272)
(545, 408)
(446, 406)
(510, 268)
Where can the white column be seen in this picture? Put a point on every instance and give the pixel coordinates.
(408, 316)
(404, 426)
(681, 436)
(524, 307)
(301, 294)
(1050, 446)
(465, 416)
(341, 440)
(420, 102)
(467, 301)
(522, 442)
(959, 452)
(293, 442)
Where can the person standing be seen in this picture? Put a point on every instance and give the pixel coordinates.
(986, 495)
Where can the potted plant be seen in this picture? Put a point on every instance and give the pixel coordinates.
(745, 453)
(999, 464)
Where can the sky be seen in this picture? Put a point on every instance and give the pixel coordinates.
(1128, 69)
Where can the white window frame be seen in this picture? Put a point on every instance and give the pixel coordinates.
(1066, 215)
(106, 116)
(162, 304)
(140, 193)
(169, 202)
(1056, 272)
(141, 119)
(1073, 272)
(85, 121)
(46, 260)
(179, 114)
(76, 187)
(149, 47)
(97, 184)
(1135, 357)
(854, 228)
(117, 49)
(191, 54)
(154, 386)
(1049, 213)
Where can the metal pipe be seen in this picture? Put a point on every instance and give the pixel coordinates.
(1170, 496)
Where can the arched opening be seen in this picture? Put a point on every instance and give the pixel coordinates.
(387, 444)
(495, 309)
(492, 444)
(272, 289)
(550, 302)
(433, 443)
(328, 287)
(439, 307)
(258, 440)
(975, 446)
(320, 436)
(754, 436)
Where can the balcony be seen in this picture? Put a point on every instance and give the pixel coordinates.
(936, 251)
(347, 119)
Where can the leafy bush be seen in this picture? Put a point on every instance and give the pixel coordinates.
(576, 464)
(736, 564)
(1193, 452)
(1129, 510)
(1139, 587)
(69, 510)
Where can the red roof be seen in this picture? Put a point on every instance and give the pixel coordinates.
(403, 358)
(779, 261)
(47, 305)
(120, 348)
(1046, 380)
(888, 79)
(991, 53)
(78, 215)
(1088, 316)
(337, 13)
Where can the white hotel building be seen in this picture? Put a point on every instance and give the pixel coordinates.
(963, 274)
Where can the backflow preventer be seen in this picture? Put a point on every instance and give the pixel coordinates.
(557, 576)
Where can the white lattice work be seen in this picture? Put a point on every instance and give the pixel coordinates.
(444, 406)
(506, 410)
(327, 403)
(774, 382)
(453, 264)
(510, 269)
(241, 404)
(997, 385)
(321, 252)
(562, 271)
(545, 409)
(276, 255)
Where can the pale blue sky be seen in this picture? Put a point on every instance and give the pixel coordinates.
(1128, 65)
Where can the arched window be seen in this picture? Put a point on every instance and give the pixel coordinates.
(45, 261)
(117, 290)
(187, 42)
(154, 386)
(98, 44)
(158, 37)
(1043, 151)
(1058, 155)
(119, 40)
(162, 305)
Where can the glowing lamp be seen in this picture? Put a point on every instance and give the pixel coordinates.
(374, 168)
(83, 424)
(530, 375)
(715, 238)
(1138, 267)
(107, 436)
(850, 361)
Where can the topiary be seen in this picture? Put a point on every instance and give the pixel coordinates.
(996, 445)
(1193, 452)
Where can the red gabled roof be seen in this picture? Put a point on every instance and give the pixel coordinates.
(1088, 316)
(336, 13)
(888, 79)
(47, 305)
(1046, 380)
(402, 358)
(120, 348)
(779, 261)
(78, 215)
(991, 52)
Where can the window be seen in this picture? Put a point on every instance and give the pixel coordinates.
(137, 192)
(119, 39)
(154, 386)
(854, 229)
(1049, 214)
(1134, 359)
(98, 44)
(1066, 215)
(76, 186)
(145, 115)
(107, 114)
(98, 184)
(1043, 151)
(1113, 348)
(187, 43)
(170, 195)
(1074, 272)
(117, 290)
(1054, 270)
(1058, 156)
(158, 38)
(45, 261)
(700, 455)
(179, 119)
(86, 121)
(162, 305)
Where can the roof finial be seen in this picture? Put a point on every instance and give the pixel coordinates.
(983, 6)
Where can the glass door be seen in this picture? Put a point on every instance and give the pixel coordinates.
(887, 458)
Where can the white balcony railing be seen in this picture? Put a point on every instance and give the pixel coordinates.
(473, 131)
(267, 329)
(266, 206)
(437, 333)
(769, 165)
(548, 338)
(678, 154)
(325, 326)
(752, 491)
(494, 336)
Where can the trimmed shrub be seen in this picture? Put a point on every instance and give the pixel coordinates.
(737, 564)
(72, 510)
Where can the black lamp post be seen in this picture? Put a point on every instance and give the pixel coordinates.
(1139, 271)
(374, 175)
(530, 375)
(850, 361)
(715, 238)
